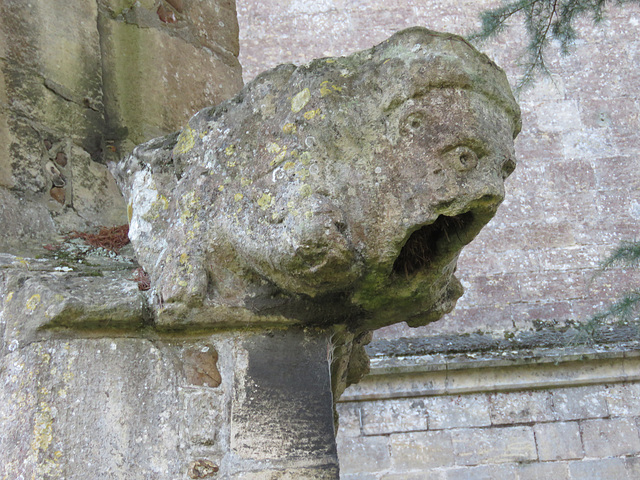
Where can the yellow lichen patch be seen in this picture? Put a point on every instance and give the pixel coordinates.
(33, 302)
(309, 115)
(273, 147)
(238, 196)
(302, 174)
(221, 188)
(305, 158)
(8, 297)
(289, 128)
(163, 202)
(326, 88)
(184, 258)
(300, 100)
(245, 181)
(291, 206)
(186, 141)
(308, 214)
(230, 150)
(330, 60)
(289, 165)
(305, 191)
(42, 429)
(265, 201)
(279, 158)
(185, 214)
(182, 283)
(231, 163)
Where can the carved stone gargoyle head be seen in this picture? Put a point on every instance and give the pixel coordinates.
(340, 191)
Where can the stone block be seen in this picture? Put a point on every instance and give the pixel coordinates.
(579, 403)
(359, 455)
(16, 233)
(623, 399)
(543, 471)
(599, 469)
(65, 299)
(521, 407)
(349, 419)
(588, 144)
(458, 411)
(282, 408)
(616, 173)
(205, 419)
(610, 437)
(394, 415)
(215, 25)
(358, 476)
(329, 472)
(493, 445)
(632, 466)
(421, 450)
(558, 441)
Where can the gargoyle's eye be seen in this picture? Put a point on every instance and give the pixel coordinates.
(462, 158)
(412, 122)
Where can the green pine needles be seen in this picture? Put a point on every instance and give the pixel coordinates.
(544, 21)
(627, 253)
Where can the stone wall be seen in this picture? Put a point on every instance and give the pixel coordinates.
(81, 83)
(480, 417)
(574, 194)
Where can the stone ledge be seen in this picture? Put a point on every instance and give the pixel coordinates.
(448, 365)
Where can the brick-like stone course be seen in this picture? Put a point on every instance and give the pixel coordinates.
(494, 445)
(610, 437)
(558, 441)
(422, 450)
(563, 433)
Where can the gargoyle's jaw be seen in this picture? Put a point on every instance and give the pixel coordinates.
(436, 244)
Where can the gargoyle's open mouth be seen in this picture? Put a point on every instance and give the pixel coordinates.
(445, 236)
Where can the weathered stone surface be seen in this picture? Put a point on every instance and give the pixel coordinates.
(338, 191)
(82, 82)
(558, 441)
(494, 445)
(283, 390)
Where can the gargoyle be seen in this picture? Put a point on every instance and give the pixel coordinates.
(340, 191)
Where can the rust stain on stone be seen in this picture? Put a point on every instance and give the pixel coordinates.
(200, 367)
(202, 469)
(58, 194)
